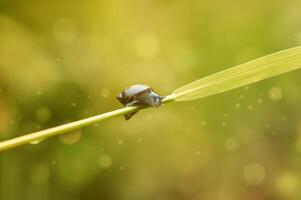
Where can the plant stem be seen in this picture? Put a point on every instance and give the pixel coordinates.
(41, 135)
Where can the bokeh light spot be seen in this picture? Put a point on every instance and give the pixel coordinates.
(287, 183)
(231, 144)
(254, 174)
(105, 161)
(275, 94)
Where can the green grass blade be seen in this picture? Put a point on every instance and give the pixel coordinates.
(251, 72)
(241, 75)
(36, 137)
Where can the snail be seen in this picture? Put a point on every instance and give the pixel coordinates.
(141, 96)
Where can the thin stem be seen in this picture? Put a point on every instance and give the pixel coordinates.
(41, 135)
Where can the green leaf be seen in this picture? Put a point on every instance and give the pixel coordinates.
(241, 75)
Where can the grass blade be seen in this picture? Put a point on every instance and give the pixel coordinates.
(41, 135)
(241, 75)
(251, 72)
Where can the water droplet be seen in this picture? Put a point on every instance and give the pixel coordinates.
(197, 152)
(70, 138)
(53, 162)
(120, 141)
(36, 141)
(139, 140)
(259, 100)
(122, 168)
(224, 124)
(74, 104)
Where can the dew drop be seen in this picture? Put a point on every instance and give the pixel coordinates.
(36, 141)
(70, 138)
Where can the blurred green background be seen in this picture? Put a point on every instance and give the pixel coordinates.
(66, 60)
